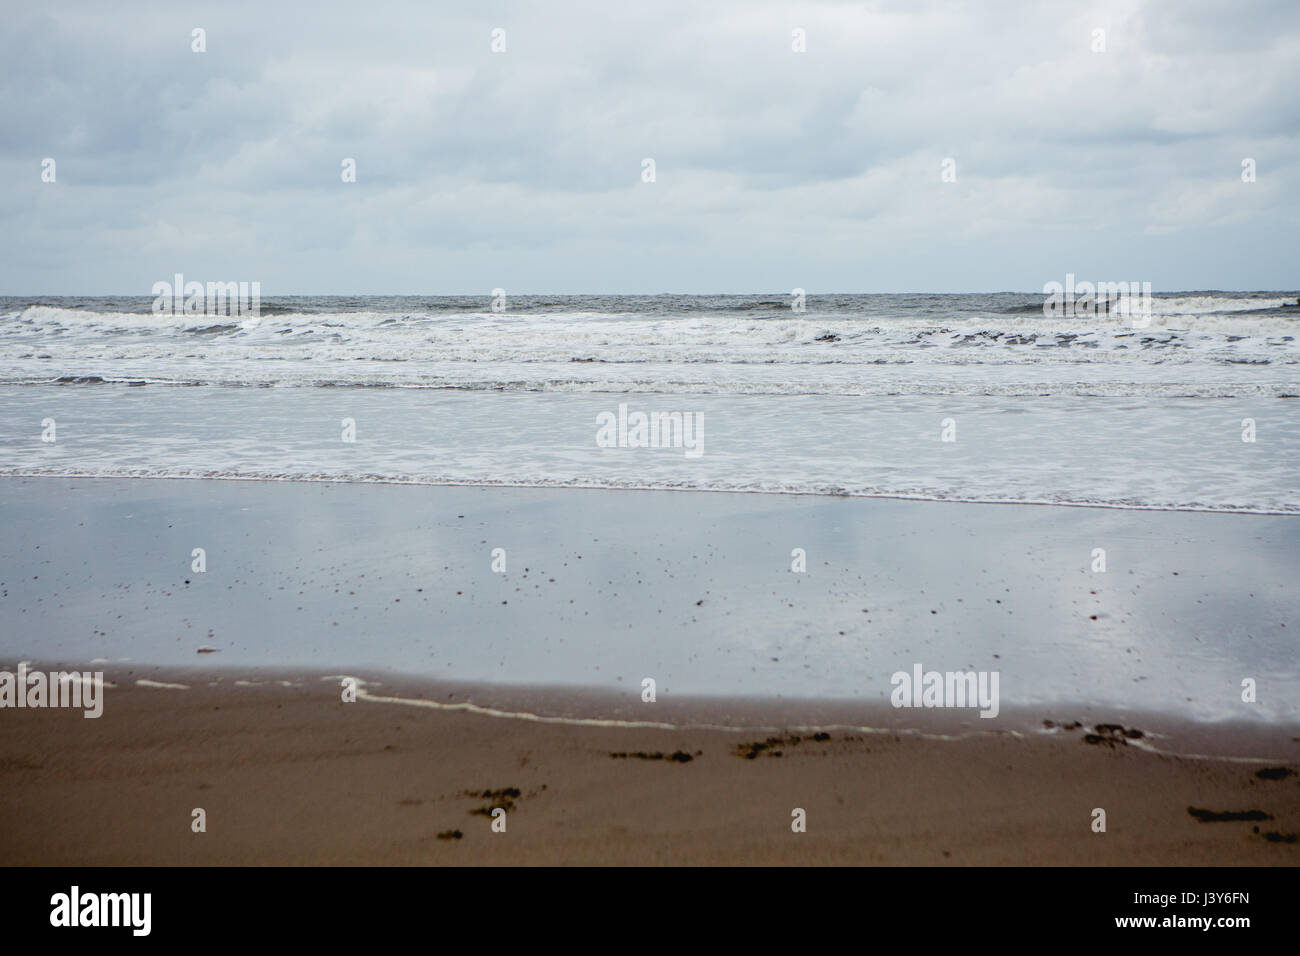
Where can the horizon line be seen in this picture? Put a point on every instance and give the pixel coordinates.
(510, 294)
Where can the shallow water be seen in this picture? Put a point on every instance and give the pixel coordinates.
(603, 589)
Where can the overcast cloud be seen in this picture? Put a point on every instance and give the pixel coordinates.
(775, 169)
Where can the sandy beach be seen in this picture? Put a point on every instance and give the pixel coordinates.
(525, 689)
(292, 775)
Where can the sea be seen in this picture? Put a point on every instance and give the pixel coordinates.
(979, 397)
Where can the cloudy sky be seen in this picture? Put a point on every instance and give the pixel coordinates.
(774, 169)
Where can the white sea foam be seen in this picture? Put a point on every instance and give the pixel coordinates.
(843, 399)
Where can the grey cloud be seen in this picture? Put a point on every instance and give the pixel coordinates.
(526, 166)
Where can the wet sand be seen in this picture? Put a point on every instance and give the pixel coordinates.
(288, 773)
(603, 589)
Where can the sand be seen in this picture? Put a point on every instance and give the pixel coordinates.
(293, 775)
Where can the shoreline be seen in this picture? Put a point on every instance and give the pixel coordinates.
(557, 485)
(1152, 732)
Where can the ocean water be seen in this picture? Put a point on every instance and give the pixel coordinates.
(854, 396)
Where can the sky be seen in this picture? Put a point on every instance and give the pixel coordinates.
(524, 168)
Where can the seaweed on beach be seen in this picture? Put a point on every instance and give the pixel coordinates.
(511, 793)
(1274, 773)
(1112, 735)
(504, 799)
(1228, 816)
(677, 756)
(768, 747)
(1069, 725)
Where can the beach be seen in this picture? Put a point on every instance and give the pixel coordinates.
(292, 775)
(894, 579)
(524, 688)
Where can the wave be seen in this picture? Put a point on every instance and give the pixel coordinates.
(1154, 390)
(525, 330)
(1207, 304)
(1201, 345)
(916, 310)
(614, 484)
